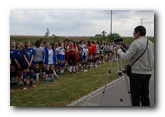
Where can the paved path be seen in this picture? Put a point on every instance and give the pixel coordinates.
(115, 91)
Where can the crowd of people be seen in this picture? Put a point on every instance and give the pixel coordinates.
(28, 62)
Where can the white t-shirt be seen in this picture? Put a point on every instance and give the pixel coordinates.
(61, 51)
(111, 47)
(57, 50)
(97, 48)
(85, 51)
(50, 56)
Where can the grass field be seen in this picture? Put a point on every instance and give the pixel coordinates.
(68, 87)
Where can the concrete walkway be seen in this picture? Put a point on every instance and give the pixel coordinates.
(115, 91)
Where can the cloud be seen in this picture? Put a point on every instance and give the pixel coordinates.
(77, 22)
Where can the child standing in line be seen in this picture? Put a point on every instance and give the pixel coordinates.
(72, 57)
(90, 55)
(38, 59)
(62, 57)
(12, 64)
(50, 60)
(18, 59)
(85, 57)
(94, 54)
(28, 64)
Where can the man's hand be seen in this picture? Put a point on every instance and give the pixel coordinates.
(117, 47)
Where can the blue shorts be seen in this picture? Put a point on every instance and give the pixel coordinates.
(85, 57)
(61, 57)
(58, 57)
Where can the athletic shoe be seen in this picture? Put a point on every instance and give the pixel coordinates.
(46, 81)
(11, 91)
(56, 77)
(34, 86)
(53, 80)
(24, 88)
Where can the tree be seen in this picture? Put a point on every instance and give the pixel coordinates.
(113, 36)
(53, 35)
(103, 33)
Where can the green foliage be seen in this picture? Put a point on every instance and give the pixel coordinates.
(103, 34)
(113, 36)
(127, 40)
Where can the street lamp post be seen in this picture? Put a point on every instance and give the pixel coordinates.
(142, 21)
(111, 24)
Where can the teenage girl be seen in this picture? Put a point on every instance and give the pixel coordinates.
(72, 57)
(61, 57)
(50, 60)
(84, 57)
(12, 65)
(94, 54)
(38, 59)
(18, 59)
(28, 64)
(90, 55)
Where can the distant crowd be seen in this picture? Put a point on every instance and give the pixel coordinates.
(44, 59)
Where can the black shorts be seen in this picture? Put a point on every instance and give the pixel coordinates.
(106, 52)
(38, 62)
(17, 69)
(26, 67)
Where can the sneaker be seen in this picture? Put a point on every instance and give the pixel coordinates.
(24, 88)
(57, 77)
(53, 80)
(46, 81)
(11, 91)
(34, 86)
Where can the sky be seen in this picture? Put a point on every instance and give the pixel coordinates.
(72, 22)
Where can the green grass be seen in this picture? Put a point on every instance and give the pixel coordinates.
(65, 90)
(69, 87)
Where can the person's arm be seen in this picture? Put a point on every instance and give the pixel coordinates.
(129, 53)
(26, 60)
(19, 66)
(31, 60)
(76, 49)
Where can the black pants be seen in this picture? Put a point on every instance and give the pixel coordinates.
(139, 85)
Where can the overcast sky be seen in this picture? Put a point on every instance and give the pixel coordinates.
(79, 22)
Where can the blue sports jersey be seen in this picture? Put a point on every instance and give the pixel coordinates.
(12, 51)
(46, 55)
(45, 49)
(28, 53)
(18, 55)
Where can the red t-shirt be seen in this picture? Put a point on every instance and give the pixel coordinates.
(90, 50)
(94, 48)
(72, 50)
(77, 47)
